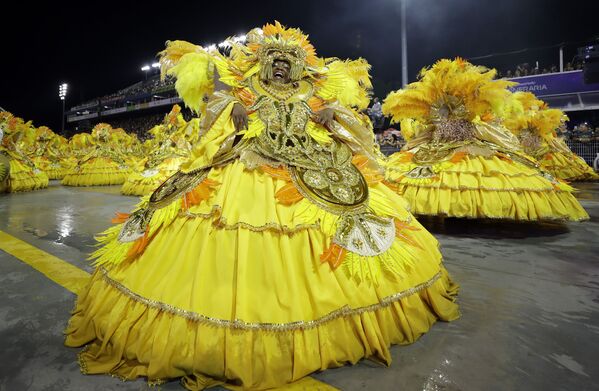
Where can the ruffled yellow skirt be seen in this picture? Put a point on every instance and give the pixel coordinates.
(53, 169)
(482, 187)
(98, 171)
(146, 181)
(24, 178)
(569, 167)
(232, 289)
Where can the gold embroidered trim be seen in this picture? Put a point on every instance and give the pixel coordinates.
(515, 190)
(493, 172)
(221, 222)
(239, 324)
(84, 370)
(505, 217)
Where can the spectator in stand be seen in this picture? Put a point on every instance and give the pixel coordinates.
(569, 67)
(376, 115)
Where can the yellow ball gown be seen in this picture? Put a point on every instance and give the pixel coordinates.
(559, 160)
(23, 175)
(174, 139)
(103, 166)
(245, 268)
(19, 172)
(460, 161)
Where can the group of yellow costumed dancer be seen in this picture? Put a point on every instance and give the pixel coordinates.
(276, 250)
(166, 151)
(106, 156)
(274, 239)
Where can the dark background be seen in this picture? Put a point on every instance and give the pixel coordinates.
(99, 47)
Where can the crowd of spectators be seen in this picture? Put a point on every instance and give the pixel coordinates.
(141, 124)
(583, 132)
(153, 85)
(525, 69)
(390, 138)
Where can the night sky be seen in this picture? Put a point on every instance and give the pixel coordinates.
(99, 48)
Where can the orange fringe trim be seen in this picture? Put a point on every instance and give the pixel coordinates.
(504, 157)
(288, 194)
(316, 104)
(487, 117)
(406, 157)
(120, 218)
(246, 97)
(372, 177)
(200, 193)
(138, 246)
(458, 157)
(400, 226)
(279, 173)
(334, 255)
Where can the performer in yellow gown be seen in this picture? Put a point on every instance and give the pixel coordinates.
(45, 154)
(459, 160)
(174, 138)
(79, 146)
(103, 165)
(276, 250)
(534, 124)
(22, 174)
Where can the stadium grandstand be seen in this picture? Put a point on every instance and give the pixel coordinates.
(136, 108)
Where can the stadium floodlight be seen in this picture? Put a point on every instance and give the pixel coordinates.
(211, 48)
(145, 68)
(240, 38)
(224, 44)
(62, 94)
(156, 65)
(62, 91)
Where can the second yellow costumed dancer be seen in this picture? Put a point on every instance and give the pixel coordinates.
(172, 142)
(276, 250)
(460, 161)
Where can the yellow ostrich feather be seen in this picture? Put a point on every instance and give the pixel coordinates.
(527, 112)
(346, 81)
(193, 68)
(173, 53)
(195, 79)
(471, 85)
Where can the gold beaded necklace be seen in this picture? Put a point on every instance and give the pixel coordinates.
(280, 91)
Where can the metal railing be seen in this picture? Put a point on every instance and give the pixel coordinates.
(588, 150)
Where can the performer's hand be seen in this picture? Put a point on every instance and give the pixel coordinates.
(325, 117)
(240, 117)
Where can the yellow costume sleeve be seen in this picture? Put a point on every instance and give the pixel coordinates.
(349, 127)
(219, 127)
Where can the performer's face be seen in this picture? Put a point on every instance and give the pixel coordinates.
(280, 71)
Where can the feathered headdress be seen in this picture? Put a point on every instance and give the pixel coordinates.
(44, 133)
(194, 66)
(452, 89)
(527, 113)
